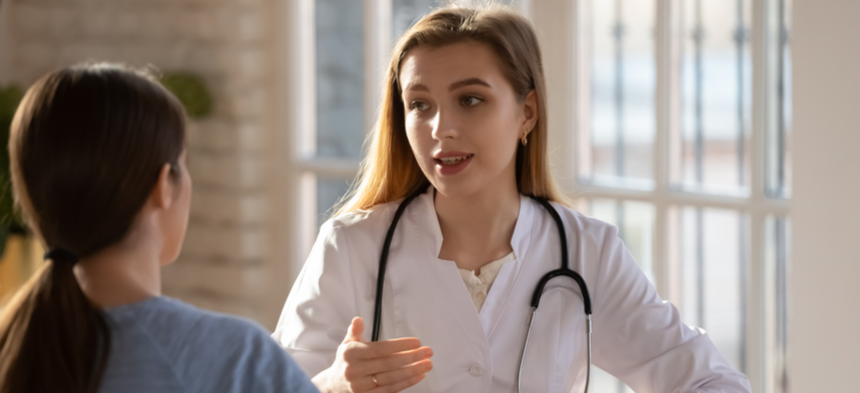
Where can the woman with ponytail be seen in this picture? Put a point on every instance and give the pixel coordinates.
(98, 167)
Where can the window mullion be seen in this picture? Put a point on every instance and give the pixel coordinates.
(756, 356)
(377, 45)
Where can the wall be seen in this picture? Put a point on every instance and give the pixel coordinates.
(825, 325)
(233, 260)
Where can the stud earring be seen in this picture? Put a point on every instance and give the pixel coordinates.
(524, 140)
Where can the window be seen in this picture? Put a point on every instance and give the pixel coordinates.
(674, 122)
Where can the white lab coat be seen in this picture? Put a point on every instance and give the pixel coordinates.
(637, 337)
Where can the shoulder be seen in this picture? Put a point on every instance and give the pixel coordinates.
(215, 351)
(361, 220)
(180, 328)
(582, 227)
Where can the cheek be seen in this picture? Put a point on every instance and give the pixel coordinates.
(419, 138)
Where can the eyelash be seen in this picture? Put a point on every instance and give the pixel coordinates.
(463, 100)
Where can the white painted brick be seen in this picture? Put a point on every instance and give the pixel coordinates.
(247, 65)
(247, 26)
(128, 24)
(220, 135)
(228, 171)
(75, 53)
(221, 207)
(158, 24)
(244, 104)
(98, 22)
(198, 23)
(232, 242)
(234, 281)
(65, 23)
(36, 56)
(31, 21)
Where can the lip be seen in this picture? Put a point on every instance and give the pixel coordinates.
(447, 170)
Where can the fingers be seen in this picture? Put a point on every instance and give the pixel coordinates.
(396, 376)
(393, 361)
(356, 328)
(396, 387)
(373, 350)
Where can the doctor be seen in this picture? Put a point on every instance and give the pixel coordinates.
(464, 120)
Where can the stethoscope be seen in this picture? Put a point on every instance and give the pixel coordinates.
(563, 271)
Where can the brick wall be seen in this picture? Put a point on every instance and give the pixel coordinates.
(227, 263)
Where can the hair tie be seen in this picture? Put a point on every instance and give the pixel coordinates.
(60, 254)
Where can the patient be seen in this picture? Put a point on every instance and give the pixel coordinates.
(98, 167)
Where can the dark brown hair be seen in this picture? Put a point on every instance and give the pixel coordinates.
(86, 147)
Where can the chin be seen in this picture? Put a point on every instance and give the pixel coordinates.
(458, 188)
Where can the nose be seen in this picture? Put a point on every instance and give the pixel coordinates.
(444, 125)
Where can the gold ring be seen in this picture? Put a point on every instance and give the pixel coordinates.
(375, 382)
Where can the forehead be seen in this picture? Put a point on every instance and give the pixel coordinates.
(430, 65)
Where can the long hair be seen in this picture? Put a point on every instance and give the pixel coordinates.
(86, 147)
(390, 170)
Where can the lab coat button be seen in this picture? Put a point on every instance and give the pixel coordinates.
(476, 370)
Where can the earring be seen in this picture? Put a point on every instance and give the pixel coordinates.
(524, 140)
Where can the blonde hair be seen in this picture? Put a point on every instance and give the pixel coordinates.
(390, 171)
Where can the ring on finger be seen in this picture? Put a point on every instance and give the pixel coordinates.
(375, 382)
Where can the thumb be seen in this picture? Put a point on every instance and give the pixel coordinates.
(356, 328)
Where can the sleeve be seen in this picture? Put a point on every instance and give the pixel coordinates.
(251, 362)
(641, 339)
(321, 304)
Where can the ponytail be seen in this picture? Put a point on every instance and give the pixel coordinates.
(78, 136)
(52, 338)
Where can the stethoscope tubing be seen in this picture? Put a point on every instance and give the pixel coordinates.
(535, 301)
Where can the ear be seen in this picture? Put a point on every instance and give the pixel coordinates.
(530, 111)
(162, 195)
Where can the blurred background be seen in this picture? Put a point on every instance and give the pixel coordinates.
(672, 119)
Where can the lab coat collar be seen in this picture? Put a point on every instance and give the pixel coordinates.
(520, 240)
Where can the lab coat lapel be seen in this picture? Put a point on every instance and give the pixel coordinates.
(429, 297)
(500, 295)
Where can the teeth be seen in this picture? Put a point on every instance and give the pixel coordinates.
(452, 160)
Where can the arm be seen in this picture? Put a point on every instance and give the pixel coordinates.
(318, 327)
(641, 340)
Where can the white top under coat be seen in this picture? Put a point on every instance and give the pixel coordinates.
(637, 337)
(479, 285)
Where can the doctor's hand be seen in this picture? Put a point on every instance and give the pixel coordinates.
(374, 367)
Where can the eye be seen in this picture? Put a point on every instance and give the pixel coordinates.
(418, 106)
(470, 100)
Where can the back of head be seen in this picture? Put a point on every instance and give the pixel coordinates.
(86, 147)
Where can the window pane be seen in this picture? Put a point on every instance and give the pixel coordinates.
(635, 222)
(712, 251)
(716, 97)
(339, 58)
(777, 277)
(329, 192)
(778, 144)
(621, 138)
(404, 13)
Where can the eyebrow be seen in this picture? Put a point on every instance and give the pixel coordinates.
(454, 86)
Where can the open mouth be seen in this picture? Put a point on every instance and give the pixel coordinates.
(452, 165)
(452, 160)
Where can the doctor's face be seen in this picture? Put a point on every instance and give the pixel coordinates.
(463, 118)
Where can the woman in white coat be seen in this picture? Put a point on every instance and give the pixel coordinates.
(464, 120)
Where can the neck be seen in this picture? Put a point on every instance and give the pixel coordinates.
(120, 274)
(477, 229)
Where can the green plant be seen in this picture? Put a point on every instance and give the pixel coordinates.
(191, 91)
